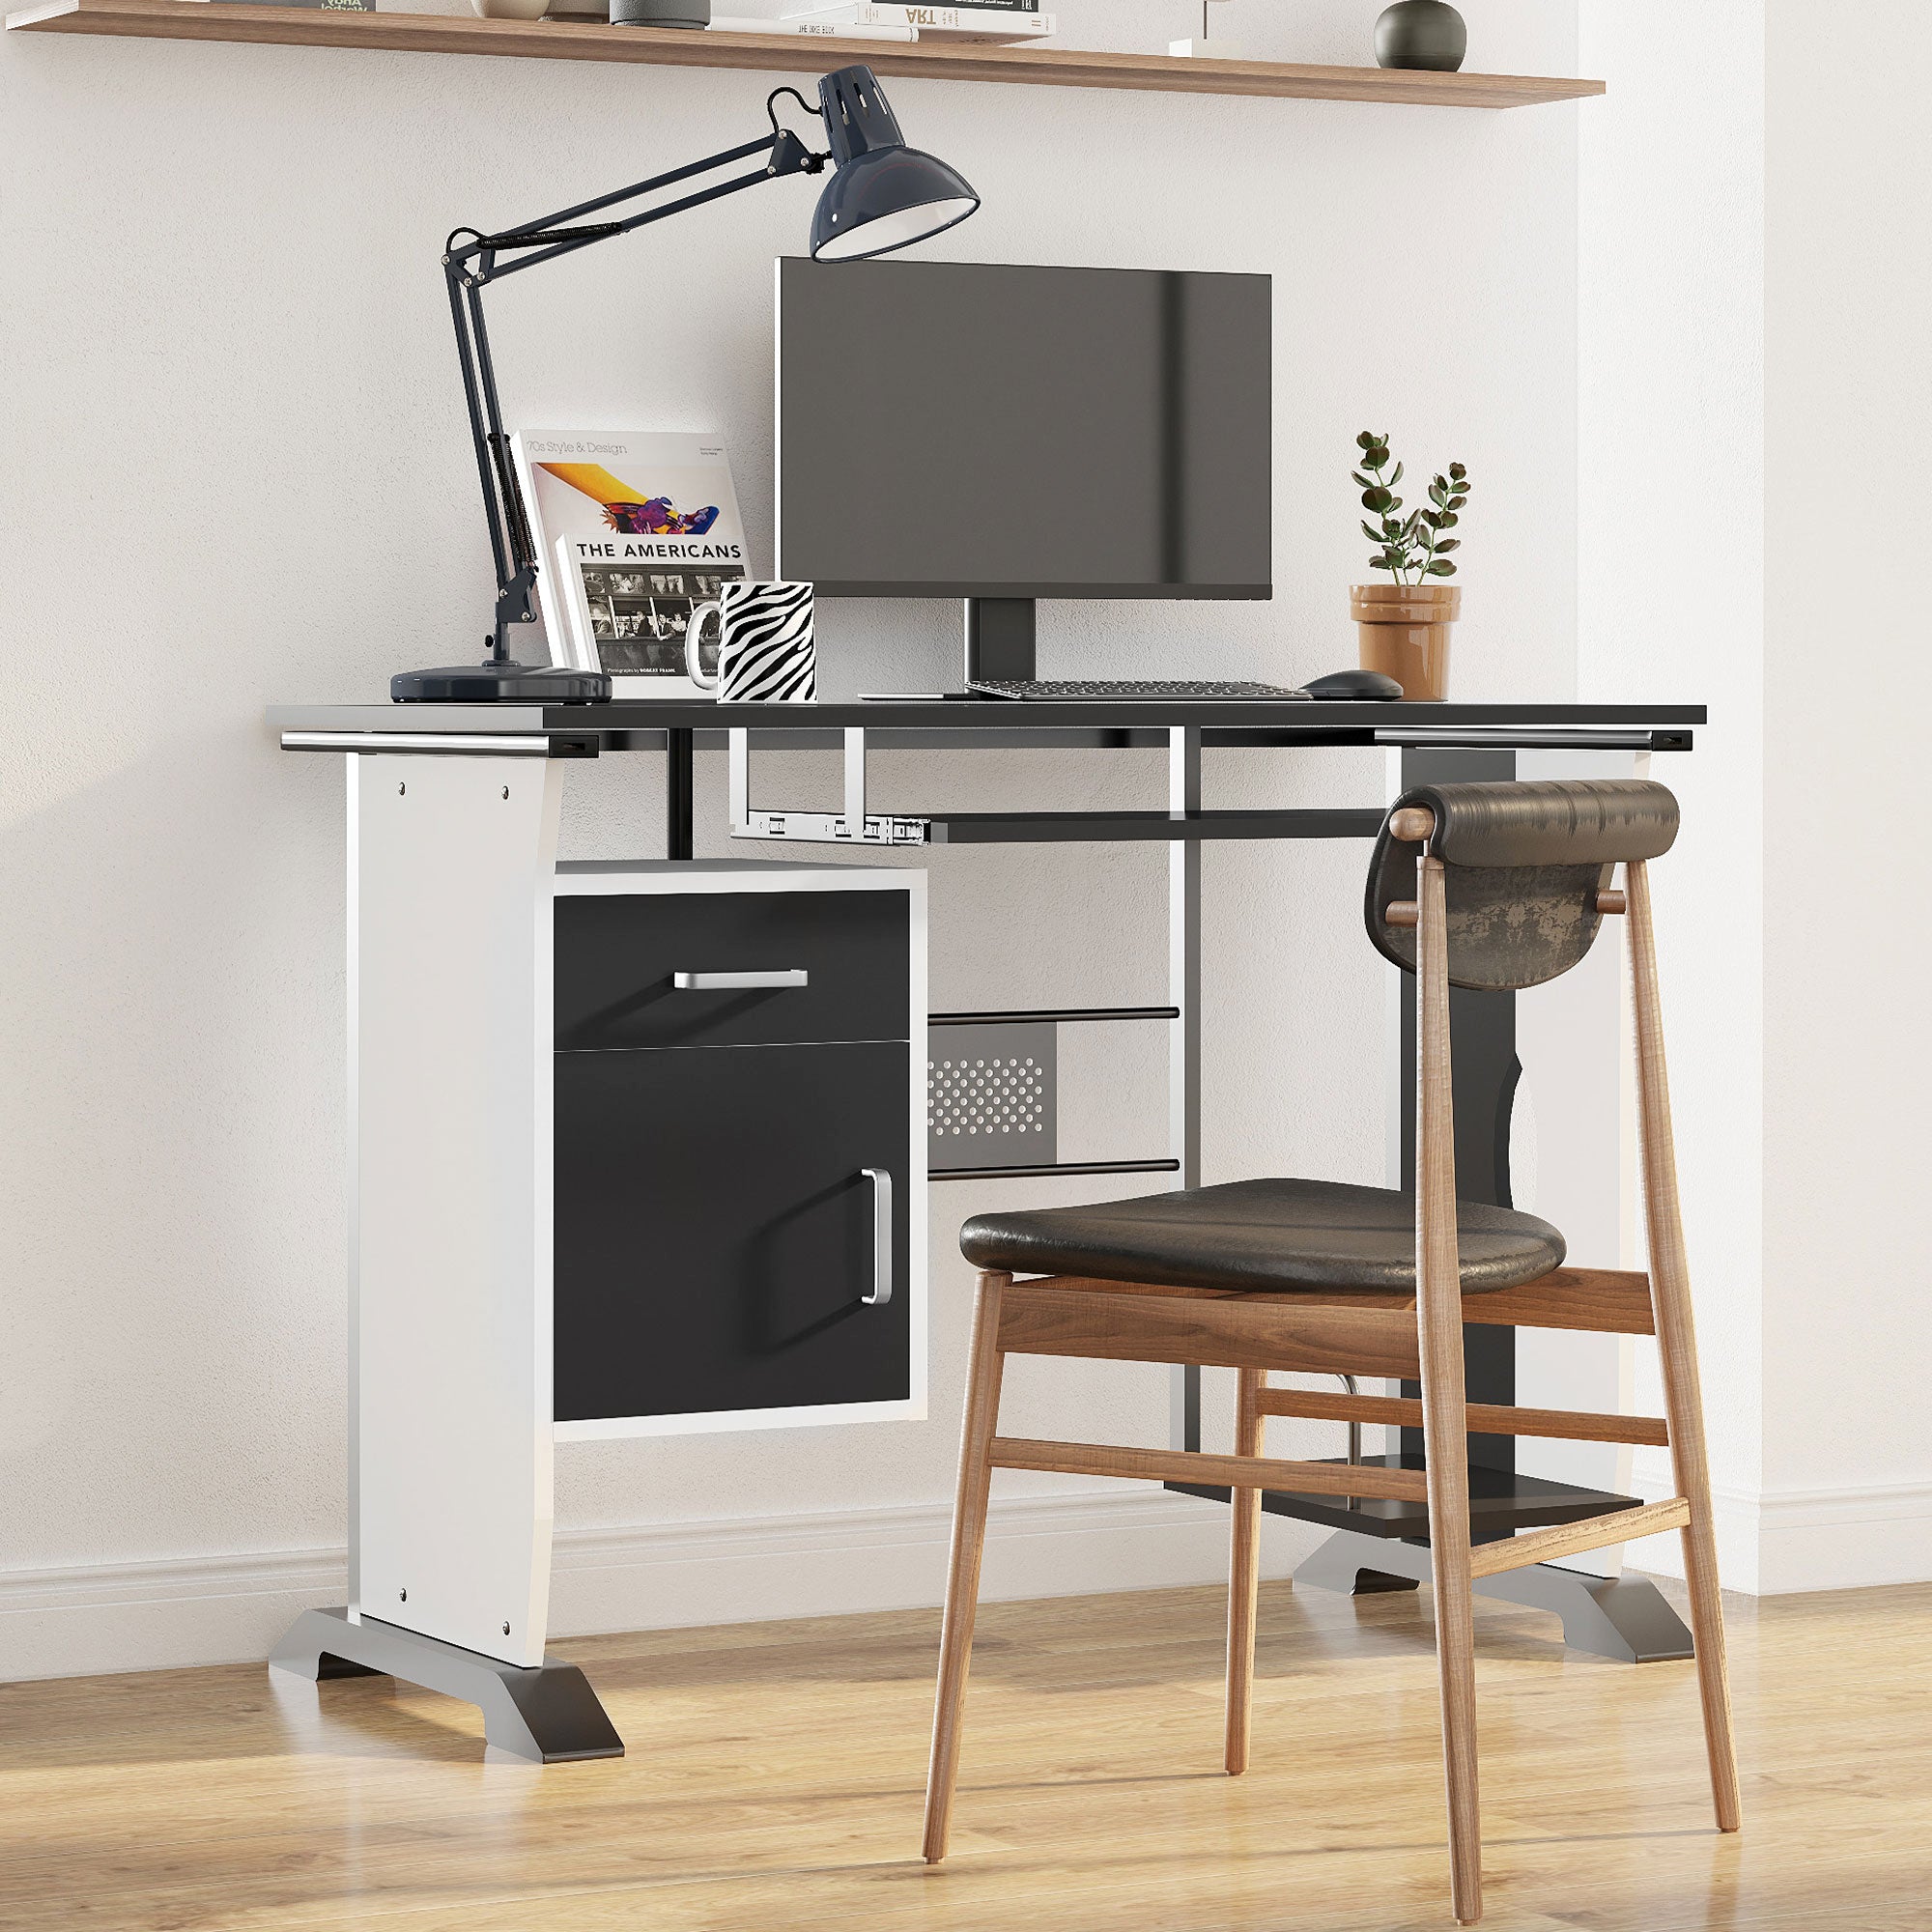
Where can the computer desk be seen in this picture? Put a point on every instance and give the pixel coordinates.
(542, 1710)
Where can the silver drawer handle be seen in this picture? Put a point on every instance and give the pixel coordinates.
(737, 983)
(882, 1237)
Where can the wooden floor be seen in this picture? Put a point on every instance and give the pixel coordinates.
(773, 1777)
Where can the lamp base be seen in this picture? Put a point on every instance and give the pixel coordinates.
(505, 682)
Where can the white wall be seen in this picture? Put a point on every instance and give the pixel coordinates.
(234, 471)
(1671, 609)
(1848, 1045)
(1753, 311)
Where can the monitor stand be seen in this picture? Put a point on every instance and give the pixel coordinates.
(1000, 637)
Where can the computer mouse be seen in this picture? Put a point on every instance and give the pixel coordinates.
(1341, 686)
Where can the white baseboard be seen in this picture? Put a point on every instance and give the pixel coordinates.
(1844, 1539)
(102, 1618)
(1778, 1542)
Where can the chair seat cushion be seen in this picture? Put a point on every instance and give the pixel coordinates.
(1265, 1236)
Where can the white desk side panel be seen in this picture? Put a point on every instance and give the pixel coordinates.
(452, 1027)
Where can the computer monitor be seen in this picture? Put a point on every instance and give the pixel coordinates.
(1004, 434)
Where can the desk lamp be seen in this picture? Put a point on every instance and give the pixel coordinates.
(882, 196)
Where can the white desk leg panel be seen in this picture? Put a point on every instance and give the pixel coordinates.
(451, 861)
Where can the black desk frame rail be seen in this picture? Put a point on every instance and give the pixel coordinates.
(547, 1713)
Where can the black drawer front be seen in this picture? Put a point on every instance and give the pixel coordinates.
(715, 1232)
(617, 955)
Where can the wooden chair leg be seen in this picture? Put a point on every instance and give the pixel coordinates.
(1445, 1406)
(1677, 1346)
(1244, 1575)
(969, 1540)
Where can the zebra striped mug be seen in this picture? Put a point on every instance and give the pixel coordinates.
(766, 651)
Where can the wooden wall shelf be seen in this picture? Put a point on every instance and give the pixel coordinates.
(788, 53)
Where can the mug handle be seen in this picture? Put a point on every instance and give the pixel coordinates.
(693, 634)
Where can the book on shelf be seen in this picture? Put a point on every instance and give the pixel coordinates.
(830, 30)
(991, 24)
(632, 529)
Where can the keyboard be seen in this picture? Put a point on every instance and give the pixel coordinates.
(1130, 691)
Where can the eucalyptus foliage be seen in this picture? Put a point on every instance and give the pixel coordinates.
(1417, 545)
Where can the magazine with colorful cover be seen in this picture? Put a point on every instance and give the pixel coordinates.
(633, 530)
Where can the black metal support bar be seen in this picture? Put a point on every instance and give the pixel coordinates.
(1055, 1016)
(1051, 828)
(1064, 1168)
(680, 810)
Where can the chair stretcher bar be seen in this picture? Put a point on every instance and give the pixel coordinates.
(1188, 1465)
(1651, 1431)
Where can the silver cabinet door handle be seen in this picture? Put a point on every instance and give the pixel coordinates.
(736, 982)
(882, 1237)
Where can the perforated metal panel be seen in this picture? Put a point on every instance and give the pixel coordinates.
(991, 1097)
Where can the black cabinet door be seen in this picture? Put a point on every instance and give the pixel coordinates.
(715, 1231)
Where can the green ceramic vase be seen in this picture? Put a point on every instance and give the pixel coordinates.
(1426, 34)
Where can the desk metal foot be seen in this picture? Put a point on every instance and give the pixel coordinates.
(1621, 1617)
(549, 1715)
(1342, 1564)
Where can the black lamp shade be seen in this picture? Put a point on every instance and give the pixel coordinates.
(882, 195)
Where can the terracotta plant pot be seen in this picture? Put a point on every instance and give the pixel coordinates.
(1405, 633)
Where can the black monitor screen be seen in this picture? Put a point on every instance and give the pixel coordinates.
(950, 429)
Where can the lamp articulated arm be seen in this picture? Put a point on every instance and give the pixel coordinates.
(883, 196)
(470, 267)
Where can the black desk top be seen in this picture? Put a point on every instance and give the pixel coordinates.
(642, 724)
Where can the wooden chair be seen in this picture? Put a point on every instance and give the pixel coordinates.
(1495, 886)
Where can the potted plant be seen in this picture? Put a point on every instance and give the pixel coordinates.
(1404, 624)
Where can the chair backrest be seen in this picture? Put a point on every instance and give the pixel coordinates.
(1523, 864)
